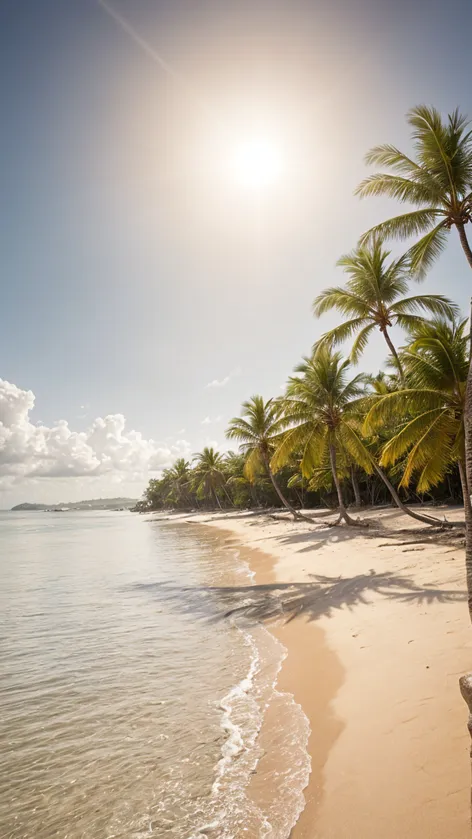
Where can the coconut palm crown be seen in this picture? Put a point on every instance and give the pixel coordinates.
(429, 437)
(374, 299)
(257, 431)
(437, 181)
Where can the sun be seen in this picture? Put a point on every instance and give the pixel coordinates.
(256, 163)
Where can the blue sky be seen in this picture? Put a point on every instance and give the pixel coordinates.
(134, 272)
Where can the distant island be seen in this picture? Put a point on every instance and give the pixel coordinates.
(92, 504)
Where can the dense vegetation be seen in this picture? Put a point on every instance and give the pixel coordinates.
(341, 438)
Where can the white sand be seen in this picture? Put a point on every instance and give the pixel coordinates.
(398, 763)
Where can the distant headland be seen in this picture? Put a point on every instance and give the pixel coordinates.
(92, 504)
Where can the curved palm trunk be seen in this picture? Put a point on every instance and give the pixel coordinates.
(399, 503)
(468, 475)
(392, 349)
(464, 243)
(468, 447)
(295, 514)
(343, 513)
(465, 490)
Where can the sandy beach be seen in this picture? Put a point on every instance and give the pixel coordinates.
(380, 639)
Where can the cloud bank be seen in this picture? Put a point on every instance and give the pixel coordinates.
(29, 451)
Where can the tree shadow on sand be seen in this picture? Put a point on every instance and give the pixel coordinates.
(321, 596)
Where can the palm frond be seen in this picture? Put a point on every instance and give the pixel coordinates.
(424, 253)
(401, 442)
(361, 341)
(404, 226)
(436, 304)
(393, 186)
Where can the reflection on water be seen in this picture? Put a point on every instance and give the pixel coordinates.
(123, 715)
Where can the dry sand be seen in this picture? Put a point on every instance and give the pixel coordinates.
(375, 663)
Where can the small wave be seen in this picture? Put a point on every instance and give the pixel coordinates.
(234, 743)
(243, 709)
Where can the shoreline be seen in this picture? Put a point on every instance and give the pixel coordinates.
(312, 674)
(394, 619)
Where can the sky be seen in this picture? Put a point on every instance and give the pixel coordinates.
(147, 289)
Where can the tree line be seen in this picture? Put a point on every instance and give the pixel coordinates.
(344, 438)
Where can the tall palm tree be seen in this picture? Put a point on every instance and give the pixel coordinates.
(429, 411)
(257, 431)
(374, 298)
(209, 475)
(322, 413)
(438, 183)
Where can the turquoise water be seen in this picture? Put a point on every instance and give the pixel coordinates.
(124, 712)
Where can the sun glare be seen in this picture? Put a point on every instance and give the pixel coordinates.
(256, 163)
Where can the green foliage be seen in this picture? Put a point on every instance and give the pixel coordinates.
(438, 183)
(374, 298)
(427, 416)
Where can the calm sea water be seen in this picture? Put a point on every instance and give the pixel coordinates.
(126, 709)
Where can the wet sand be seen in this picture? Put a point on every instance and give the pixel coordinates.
(313, 674)
(375, 664)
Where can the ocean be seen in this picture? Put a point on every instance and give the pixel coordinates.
(130, 707)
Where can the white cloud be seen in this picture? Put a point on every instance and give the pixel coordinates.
(209, 420)
(219, 382)
(222, 382)
(106, 449)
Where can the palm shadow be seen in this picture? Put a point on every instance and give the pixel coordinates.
(320, 597)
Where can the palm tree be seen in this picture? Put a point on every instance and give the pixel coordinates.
(209, 476)
(374, 298)
(317, 408)
(257, 431)
(438, 183)
(430, 435)
(179, 477)
(240, 487)
(322, 413)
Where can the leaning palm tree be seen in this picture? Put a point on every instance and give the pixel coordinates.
(438, 183)
(322, 412)
(256, 431)
(374, 299)
(209, 475)
(429, 413)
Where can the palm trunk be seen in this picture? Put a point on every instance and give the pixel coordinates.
(399, 503)
(343, 513)
(295, 514)
(465, 489)
(466, 681)
(468, 476)
(395, 355)
(355, 487)
(464, 243)
(468, 445)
